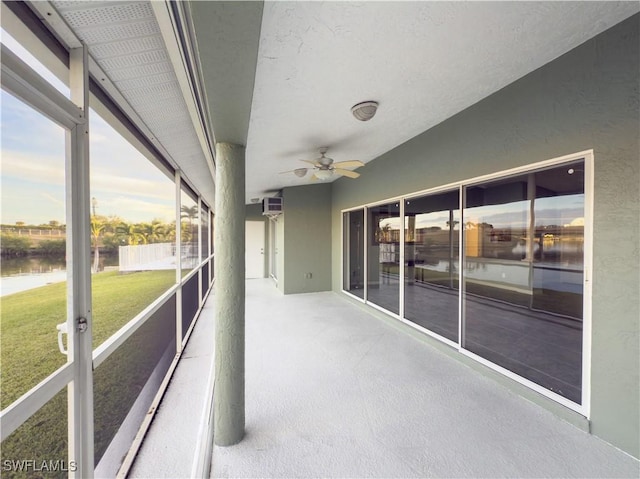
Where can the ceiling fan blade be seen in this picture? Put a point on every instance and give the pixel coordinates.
(347, 173)
(348, 164)
(299, 172)
(314, 177)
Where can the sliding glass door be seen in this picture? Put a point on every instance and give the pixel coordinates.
(383, 256)
(500, 276)
(523, 275)
(431, 262)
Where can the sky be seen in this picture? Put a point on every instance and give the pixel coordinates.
(32, 149)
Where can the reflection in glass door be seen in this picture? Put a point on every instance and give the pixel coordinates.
(383, 256)
(431, 262)
(523, 275)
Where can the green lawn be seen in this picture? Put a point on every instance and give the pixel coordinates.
(30, 351)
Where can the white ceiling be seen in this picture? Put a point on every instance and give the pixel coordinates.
(422, 61)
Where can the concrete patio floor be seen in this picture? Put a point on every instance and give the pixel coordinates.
(331, 391)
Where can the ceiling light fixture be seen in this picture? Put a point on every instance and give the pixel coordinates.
(300, 172)
(365, 111)
(324, 174)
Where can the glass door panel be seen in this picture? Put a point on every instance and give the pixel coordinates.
(354, 253)
(431, 229)
(189, 232)
(383, 256)
(523, 275)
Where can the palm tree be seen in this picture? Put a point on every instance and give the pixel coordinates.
(159, 230)
(170, 231)
(97, 227)
(151, 232)
(131, 233)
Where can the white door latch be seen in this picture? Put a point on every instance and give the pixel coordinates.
(62, 329)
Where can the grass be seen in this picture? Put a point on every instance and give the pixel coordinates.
(30, 352)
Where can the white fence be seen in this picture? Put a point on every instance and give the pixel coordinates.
(145, 257)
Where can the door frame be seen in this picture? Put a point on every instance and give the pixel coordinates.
(253, 225)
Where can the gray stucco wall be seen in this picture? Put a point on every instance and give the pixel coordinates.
(586, 99)
(307, 239)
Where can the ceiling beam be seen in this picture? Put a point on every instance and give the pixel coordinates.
(227, 37)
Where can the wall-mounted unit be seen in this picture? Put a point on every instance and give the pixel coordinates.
(272, 206)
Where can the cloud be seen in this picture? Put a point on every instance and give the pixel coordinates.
(25, 130)
(35, 168)
(31, 203)
(52, 199)
(137, 210)
(109, 182)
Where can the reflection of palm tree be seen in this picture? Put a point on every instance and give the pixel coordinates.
(384, 233)
(452, 224)
(190, 213)
(185, 231)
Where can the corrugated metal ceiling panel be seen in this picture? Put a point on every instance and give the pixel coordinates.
(125, 41)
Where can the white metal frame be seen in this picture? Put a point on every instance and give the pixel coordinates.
(401, 268)
(273, 248)
(14, 415)
(22, 81)
(178, 201)
(212, 277)
(79, 309)
(588, 156)
(345, 251)
(587, 324)
(200, 259)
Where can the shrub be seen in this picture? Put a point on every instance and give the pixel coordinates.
(13, 245)
(52, 247)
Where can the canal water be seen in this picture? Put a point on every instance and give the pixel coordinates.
(22, 274)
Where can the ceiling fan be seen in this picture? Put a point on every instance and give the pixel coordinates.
(324, 168)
